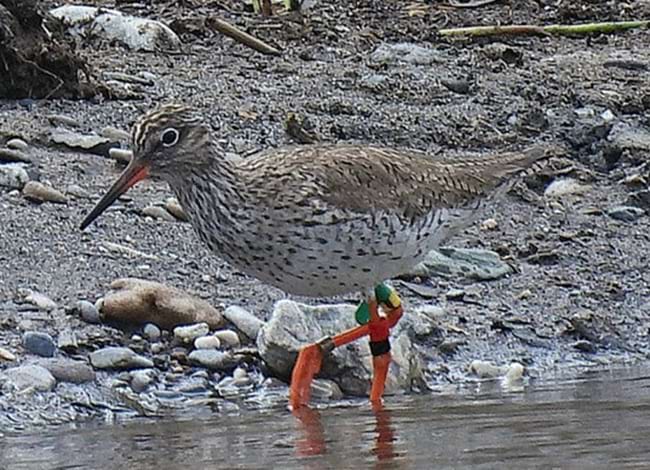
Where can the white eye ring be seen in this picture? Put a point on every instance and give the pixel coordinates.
(169, 137)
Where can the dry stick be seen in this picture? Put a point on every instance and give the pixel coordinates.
(551, 29)
(242, 37)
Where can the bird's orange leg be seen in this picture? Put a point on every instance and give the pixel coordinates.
(310, 357)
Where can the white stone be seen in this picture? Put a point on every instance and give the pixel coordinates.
(17, 144)
(121, 155)
(564, 187)
(6, 355)
(207, 342)
(485, 369)
(13, 175)
(228, 338)
(136, 33)
(41, 301)
(189, 333)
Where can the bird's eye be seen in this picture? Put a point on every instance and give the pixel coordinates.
(169, 137)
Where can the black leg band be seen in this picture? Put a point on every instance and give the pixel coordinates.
(379, 347)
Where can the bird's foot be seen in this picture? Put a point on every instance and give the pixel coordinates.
(377, 327)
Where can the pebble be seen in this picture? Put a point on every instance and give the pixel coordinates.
(239, 373)
(39, 343)
(158, 212)
(608, 115)
(514, 373)
(39, 192)
(13, 175)
(127, 78)
(137, 301)
(485, 369)
(11, 155)
(31, 377)
(207, 342)
(67, 340)
(91, 143)
(41, 301)
(6, 355)
(510, 373)
(115, 134)
(244, 321)
(461, 87)
(432, 312)
(626, 213)
(151, 332)
(88, 312)
(174, 208)
(211, 358)
(189, 333)
(157, 348)
(455, 294)
(69, 370)
(411, 53)
(228, 338)
(58, 119)
(120, 155)
(17, 144)
(564, 187)
(77, 191)
(118, 358)
(462, 263)
(324, 389)
(152, 77)
(141, 379)
(489, 224)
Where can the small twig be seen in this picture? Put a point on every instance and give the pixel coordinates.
(41, 69)
(609, 27)
(241, 37)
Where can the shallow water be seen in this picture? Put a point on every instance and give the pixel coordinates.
(600, 420)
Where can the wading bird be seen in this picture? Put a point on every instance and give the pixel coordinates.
(317, 220)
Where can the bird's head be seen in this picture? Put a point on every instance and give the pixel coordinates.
(165, 142)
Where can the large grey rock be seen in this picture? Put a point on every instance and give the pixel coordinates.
(69, 370)
(462, 263)
(139, 301)
(244, 321)
(294, 325)
(118, 358)
(135, 33)
(31, 377)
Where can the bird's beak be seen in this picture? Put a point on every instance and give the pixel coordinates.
(133, 173)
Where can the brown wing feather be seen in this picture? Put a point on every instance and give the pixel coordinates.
(364, 178)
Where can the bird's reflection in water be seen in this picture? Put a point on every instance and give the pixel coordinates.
(312, 439)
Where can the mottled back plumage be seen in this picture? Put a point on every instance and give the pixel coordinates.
(324, 219)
